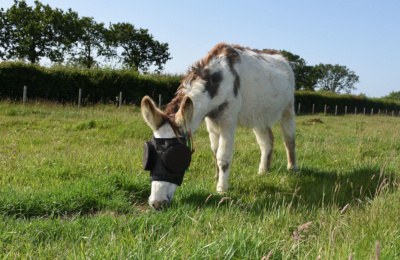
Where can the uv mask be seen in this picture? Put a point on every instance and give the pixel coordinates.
(167, 159)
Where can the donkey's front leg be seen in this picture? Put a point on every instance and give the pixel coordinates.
(224, 157)
(213, 130)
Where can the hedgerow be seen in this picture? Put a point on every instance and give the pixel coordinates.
(103, 85)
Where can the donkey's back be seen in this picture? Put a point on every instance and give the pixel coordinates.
(267, 87)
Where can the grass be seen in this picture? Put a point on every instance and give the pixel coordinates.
(72, 187)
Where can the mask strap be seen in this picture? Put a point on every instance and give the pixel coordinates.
(189, 139)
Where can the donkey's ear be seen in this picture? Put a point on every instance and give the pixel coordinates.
(151, 114)
(184, 116)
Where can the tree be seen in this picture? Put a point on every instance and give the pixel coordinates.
(393, 95)
(5, 36)
(40, 31)
(306, 76)
(336, 78)
(139, 49)
(91, 43)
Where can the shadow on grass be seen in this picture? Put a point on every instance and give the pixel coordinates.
(309, 188)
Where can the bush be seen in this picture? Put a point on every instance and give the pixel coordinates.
(308, 98)
(98, 85)
(103, 85)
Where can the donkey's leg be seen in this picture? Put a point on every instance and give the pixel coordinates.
(288, 127)
(213, 131)
(265, 139)
(224, 156)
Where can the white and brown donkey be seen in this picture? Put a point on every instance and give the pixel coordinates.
(232, 86)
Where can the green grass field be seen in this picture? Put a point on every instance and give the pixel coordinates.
(72, 187)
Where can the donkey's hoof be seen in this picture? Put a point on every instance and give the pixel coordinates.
(222, 189)
(293, 168)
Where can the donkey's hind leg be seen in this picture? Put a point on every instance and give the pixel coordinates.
(265, 139)
(288, 127)
(213, 132)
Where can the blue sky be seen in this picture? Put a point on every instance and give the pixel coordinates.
(363, 35)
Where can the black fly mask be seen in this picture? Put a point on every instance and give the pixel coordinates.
(167, 159)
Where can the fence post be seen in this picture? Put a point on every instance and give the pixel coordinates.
(325, 110)
(379, 112)
(345, 110)
(120, 99)
(336, 110)
(298, 110)
(313, 106)
(364, 111)
(24, 95)
(79, 98)
(372, 111)
(355, 111)
(159, 101)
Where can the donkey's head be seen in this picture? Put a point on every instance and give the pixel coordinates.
(166, 157)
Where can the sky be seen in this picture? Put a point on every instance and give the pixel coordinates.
(363, 35)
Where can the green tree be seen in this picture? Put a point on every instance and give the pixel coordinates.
(336, 78)
(91, 43)
(5, 35)
(40, 31)
(306, 76)
(139, 49)
(393, 95)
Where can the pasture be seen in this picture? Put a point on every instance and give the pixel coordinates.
(72, 187)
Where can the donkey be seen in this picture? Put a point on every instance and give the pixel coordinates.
(232, 86)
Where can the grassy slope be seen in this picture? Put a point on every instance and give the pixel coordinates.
(72, 186)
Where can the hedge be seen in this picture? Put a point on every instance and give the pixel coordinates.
(307, 99)
(60, 83)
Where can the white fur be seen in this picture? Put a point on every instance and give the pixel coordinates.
(265, 96)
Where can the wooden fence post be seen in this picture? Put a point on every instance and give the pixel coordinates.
(313, 106)
(325, 110)
(355, 111)
(298, 109)
(120, 99)
(364, 111)
(79, 98)
(345, 110)
(372, 111)
(336, 110)
(159, 101)
(24, 95)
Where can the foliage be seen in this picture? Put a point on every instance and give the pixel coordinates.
(60, 83)
(335, 78)
(33, 33)
(91, 43)
(319, 99)
(393, 95)
(306, 76)
(39, 32)
(72, 186)
(140, 50)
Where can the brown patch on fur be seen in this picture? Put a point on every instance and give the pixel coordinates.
(291, 152)
(236, 85)
(173, 106)
(269, 157)
(198, 71)
(225, 167)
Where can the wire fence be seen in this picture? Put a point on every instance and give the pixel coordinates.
(118, 100)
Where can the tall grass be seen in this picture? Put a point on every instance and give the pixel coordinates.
(72, 186)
